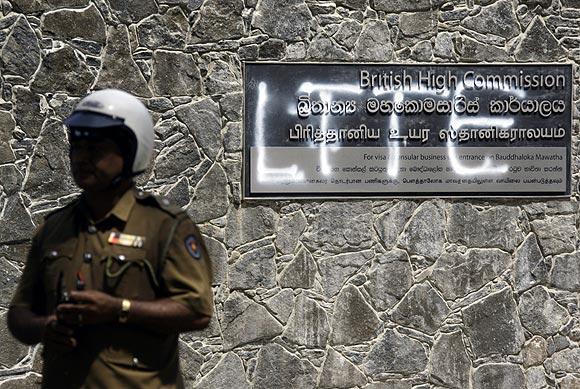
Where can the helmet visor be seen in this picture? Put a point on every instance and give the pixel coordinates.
(87, 119)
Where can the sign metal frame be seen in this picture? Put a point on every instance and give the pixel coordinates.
(422, 195)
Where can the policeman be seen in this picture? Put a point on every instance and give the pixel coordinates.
(115, 276)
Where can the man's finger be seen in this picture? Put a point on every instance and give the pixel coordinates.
(82, 295)
(62, 329)
(72, 308)
(59, 335)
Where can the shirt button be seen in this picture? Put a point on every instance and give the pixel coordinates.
(88, 257)
(92, 229)
(53, 254)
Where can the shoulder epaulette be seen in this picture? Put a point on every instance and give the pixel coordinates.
(62, 210)
(157, 201)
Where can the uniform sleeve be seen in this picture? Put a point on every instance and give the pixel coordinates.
(28, 292)
(186, 271)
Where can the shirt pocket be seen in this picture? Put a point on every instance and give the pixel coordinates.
(58, 271)
(128, 273)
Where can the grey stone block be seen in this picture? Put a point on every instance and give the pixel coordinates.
(218, 256)
(536, 378)
(425, 233)
(556, 234)
(20, 53)
(176, 159)
(353, 4)
(290, 22)
(395, 353)
(68, 24)
(390, 224)
(353, 320)
(11, 179)
(222, 78)
(457, 275)
(422, 308)
(289, 231)
(470, 50)
(175, 74)
(395, 6)
(119, 70)
(63, 70)
(348, 33)
(300, 273)
(540, 313)
(164, 31)
(233, 137)
(444, 46)
(219, 19)
(340, 226)
(567, 360)
(390, 277)
(417, 23)
(449, 363)
(570, 382)
(529, 268)
(277, 368)
(339, 372)
(49, 174)
(308, 324)
(281, 305)
(498, 18)
(132, 11)
(211, 196)
(335, 270)
(7, 125)
(493, 326)
(366, 48)
(27, 111)
(229, 372)
(566, 272)
(498, 376)
(254, 269)
(496, 227)
(190, 361)
(324, 48)
(203, 119)
(245, 321)
(9, 275)
(539, 44)
(231, 106)
(248, 224)
(273, 49)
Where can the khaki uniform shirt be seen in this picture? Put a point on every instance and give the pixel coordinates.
(142, 250)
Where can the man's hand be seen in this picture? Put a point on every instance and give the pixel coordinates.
(89, 307)
(58, 335)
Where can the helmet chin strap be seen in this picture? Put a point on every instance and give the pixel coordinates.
(115, 182)
(118, 180)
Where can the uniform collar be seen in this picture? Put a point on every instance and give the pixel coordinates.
(120, 211)
(123, 208)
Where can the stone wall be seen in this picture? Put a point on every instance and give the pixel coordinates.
(375, 294)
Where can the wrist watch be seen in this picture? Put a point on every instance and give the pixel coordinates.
(124, 312)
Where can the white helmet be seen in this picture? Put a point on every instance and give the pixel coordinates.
(114, 113)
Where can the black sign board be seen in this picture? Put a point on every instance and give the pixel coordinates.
(372, 130)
